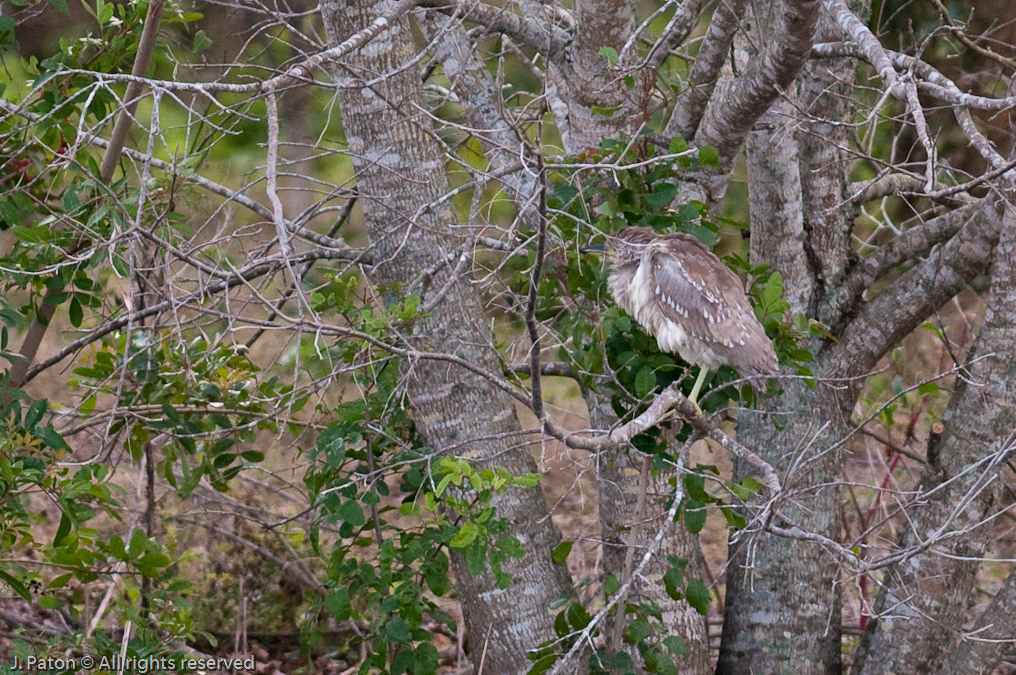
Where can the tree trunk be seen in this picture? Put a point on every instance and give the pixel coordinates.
(783, 606)
(400, 173)
(824, 93)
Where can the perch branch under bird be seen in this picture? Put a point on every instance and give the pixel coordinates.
(677, 290)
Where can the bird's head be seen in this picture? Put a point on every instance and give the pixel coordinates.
(625, 246)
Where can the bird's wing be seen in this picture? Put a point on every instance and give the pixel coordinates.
(694, 289)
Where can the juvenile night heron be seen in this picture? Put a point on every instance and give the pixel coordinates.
(680, 292)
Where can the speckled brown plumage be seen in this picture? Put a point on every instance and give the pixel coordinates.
(684, 295)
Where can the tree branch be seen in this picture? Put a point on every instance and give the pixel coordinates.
(902, 88)
(705, 72)
(907, 245)
(669, 399)
(901, 307)
(142, 61)
(732, 112)
(483, 110)
(250, 272)
(890, 184)
(585, 637)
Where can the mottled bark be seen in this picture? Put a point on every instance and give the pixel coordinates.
(589, 81)
(824, 96)
(782, 606)
(982, 647)
(740, 101)
(618, 482)
(845, 299)
(705, 72)
(915, 614)
(400, 173)
(782, 603)
(775, 203)
(482, 109)
(904, 304)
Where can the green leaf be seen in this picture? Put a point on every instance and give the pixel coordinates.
(171, 415)
(352, 513)
(610, 54)
(694, 516)
(51, 438)
(35, 413)
(645, 382)
(673, 582)
(606, 112)
(734, 519)
(29, 235)
(561, 552)
(709, 156)
(638, 630)
(700, 232)
(543, 664)
(403, 661)
(510, 546)
(150, 564)
(578, 617)
(740, 491)
(338, 604)
(60, 581)
(8, 209)
(139, 540)
(662, 195)
(427, 659)
(752, 484)
(201, 42)
(466, 534)
(773, 291)
(476, 557)
(676, 645)
(63, 529)
(561, 624)
(50, 602)
(116, 548)
(698, 596)
(610, 585)
(678, 145)
(397, 630)
(104, 12)
(695, 486)
(18, 587)
(75, 312)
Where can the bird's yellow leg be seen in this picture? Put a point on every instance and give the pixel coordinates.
(693, 397)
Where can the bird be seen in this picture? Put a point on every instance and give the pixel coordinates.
(680, 292)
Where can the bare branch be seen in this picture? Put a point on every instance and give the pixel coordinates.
(142, 60)
(584, 638)
(669, 399)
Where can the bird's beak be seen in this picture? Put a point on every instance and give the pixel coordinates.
(597, 248)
